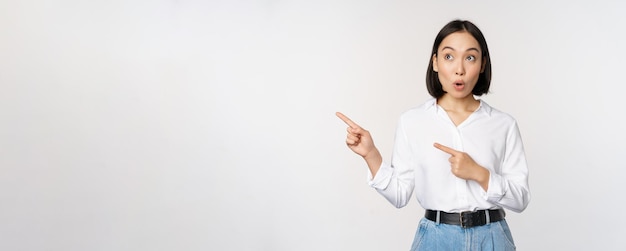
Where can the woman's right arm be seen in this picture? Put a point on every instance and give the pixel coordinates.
(395, 182)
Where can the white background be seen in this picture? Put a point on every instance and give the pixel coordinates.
(209, 125)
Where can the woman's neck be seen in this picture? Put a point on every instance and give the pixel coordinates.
(466, 104)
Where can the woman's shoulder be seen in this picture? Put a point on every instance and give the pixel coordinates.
(496, 113)
(424, 106)
(420, 109)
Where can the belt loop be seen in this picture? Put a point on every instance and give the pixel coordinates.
(438, 217)
(487, 216)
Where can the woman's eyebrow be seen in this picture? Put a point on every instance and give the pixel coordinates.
(470, 49)
(447, 47)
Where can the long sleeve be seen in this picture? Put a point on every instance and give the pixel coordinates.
(509, 188)
(396, 181)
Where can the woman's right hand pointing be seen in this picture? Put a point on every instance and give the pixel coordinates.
(360, 141)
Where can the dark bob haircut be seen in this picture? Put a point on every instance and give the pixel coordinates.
(484, 79)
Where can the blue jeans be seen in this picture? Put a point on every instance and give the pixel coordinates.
(443, 237)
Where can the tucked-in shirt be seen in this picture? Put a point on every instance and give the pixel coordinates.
(490, 137)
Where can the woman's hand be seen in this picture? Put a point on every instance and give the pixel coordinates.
(464, 167)
(360, 141)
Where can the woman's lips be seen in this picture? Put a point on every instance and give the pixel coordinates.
(459, 85)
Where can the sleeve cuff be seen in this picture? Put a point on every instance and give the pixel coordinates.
(382, 178)
(496, 189)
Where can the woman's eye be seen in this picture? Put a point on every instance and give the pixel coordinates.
(471, 58)
(448, 57)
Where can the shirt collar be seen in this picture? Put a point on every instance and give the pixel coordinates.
(483, 107)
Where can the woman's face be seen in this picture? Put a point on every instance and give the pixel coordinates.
(458, 64)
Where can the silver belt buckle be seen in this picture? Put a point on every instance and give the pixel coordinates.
(461, 220)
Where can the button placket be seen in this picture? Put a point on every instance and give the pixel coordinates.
(461, 184)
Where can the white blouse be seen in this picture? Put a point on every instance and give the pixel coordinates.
(488, 135)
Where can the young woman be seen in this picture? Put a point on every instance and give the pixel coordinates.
(463, 159)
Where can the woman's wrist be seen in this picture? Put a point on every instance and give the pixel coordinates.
(373, 155)
(483, 177)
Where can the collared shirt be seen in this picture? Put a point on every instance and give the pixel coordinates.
(489, 136)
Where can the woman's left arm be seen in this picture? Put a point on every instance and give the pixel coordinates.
(509, 188)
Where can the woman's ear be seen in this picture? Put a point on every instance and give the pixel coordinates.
(435, 68)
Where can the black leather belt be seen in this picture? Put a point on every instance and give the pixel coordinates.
(466, 219)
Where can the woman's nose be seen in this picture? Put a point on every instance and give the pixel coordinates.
(460, 70)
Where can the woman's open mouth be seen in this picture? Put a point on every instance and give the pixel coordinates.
(458, 85)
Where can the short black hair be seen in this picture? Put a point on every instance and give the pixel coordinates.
(484, 80)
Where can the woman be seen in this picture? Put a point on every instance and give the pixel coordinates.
(464, 159)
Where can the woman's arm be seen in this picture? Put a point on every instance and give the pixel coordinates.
(509, 188)
(396, 181)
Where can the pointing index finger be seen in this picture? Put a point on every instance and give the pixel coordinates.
(446, 149)
(347, 120)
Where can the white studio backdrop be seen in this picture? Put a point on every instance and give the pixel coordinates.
(209, 125)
